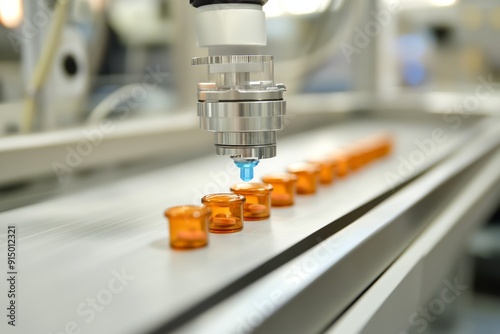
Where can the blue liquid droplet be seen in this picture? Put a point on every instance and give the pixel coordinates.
(246, 169)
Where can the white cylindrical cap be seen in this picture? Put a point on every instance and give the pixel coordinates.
(231, 25)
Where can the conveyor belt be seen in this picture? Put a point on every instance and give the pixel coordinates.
(71, 248)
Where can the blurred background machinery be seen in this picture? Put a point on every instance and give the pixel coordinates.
(97, 98)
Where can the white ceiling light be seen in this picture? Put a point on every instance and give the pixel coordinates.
(301, 7)
(274, 9)
(11, 13)
(442, 3)
(295, 7)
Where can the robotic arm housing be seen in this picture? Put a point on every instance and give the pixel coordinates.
(240, 102)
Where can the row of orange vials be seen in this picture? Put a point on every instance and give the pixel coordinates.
(225, 213)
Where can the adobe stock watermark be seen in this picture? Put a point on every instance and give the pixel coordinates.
(90, 309)
(94, 136)
(461, 110)
(420, 319)
(220, 182)
(407, 166)
(32, 26)
(454, 118)
(292, 279)
(362, 37)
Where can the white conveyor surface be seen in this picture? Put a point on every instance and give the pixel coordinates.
(69, 248)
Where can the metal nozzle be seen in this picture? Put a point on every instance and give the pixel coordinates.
(243, 107)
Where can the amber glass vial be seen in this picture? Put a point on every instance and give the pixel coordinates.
(285, 185)
(355, 156)
(378, 145)
(308, 177)
(188, 226)
(370, 150)
(385, 142)
(258, 199)
(363, 153)
(341, 163)
(326, 169)
(226, 212)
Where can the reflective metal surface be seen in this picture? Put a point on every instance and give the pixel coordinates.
(231, 59)
(271, 93)
(242, 109)
(249, 152)
(241, 97)
(243, 130)
(245, 138)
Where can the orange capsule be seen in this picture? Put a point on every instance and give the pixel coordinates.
(258, 199)
(257, 208)
(217, 222)
(192, 236)
(308, 177)
(226, 212)
(285, 185)
(188, 227)
(282, 199)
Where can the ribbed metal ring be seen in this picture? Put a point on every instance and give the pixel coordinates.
(247, 152)
(275, 108)
(231, 59)
(239, 95)
(242, 124)
(245, 138)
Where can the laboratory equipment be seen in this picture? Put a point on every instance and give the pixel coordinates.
(240, 103)
(382, 232)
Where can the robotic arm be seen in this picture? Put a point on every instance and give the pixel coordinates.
(240, 102)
